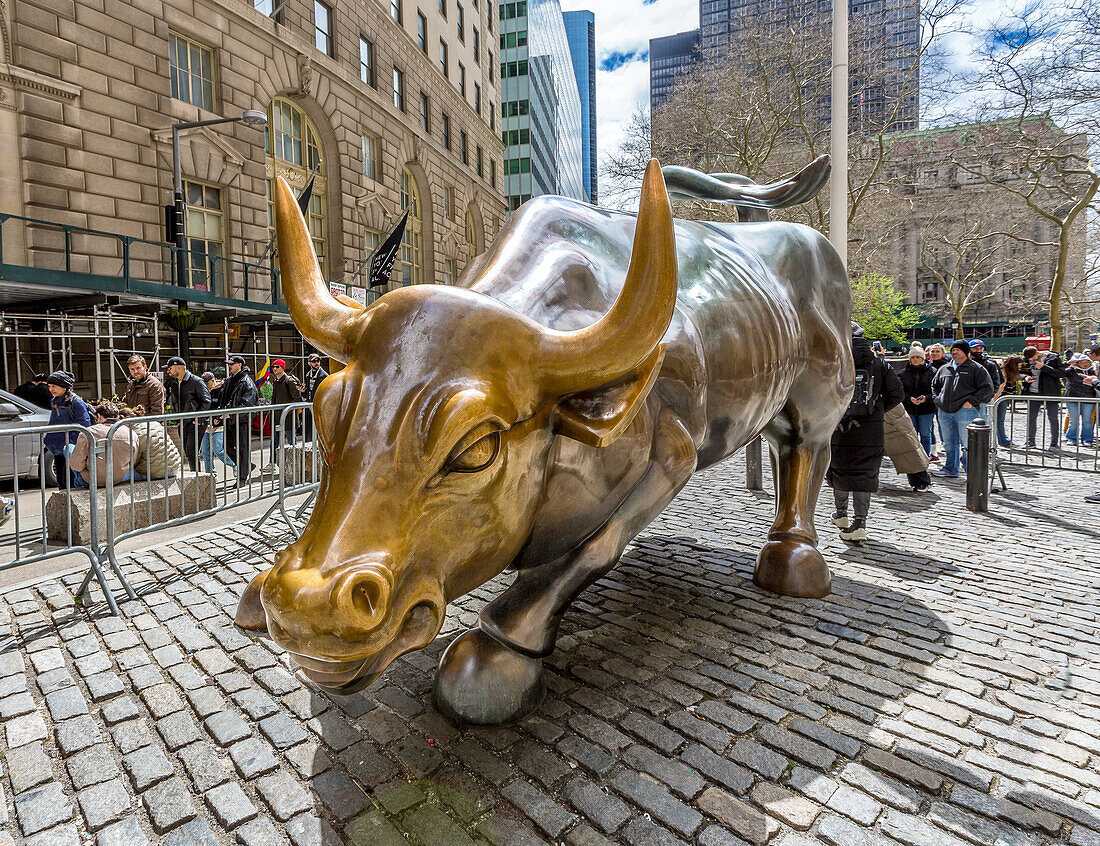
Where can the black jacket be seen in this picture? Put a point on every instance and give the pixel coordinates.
(312, 380)
(1075, 383)
(35, 394)
(991, 367)
(968, 382)
(936, 365)
(1049, 376)
(917, 382)
(859, 443)
(188, 394)
(287, 389)
(239, 391)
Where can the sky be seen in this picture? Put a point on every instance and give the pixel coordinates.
(623, 30)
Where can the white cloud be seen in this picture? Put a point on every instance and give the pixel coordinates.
(623, 29)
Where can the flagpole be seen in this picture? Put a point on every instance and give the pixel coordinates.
(838, 133)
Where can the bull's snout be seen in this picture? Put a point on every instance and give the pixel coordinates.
(349, 601)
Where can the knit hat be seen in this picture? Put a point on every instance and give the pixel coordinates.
(61, 378)
(1079, 357)
(279, 363)
(917, 351)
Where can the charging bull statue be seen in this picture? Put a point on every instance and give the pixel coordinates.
(539, 415)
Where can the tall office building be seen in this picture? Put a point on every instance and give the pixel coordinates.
(891, 26)
(669, 57)
(540, 104)
(580, 29)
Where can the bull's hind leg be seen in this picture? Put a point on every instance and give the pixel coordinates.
(790, 563)
(493, 674)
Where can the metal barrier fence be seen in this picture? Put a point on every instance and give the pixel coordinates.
(1045, 432)
(121, 479)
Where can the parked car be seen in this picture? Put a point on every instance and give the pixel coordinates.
(20, 454)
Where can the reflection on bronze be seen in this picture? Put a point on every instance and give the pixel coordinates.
(537, 417)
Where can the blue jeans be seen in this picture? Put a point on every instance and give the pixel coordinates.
(923, 424)
(953, 428)
(1080, 417)
(213, 446)
(277, 437)
(1002, 435)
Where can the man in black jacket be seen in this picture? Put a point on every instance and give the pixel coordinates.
(187, 392)
(315, 375)
(960, 388)
(977, 353)
(1044, 378)
(35, 391)
(239, 391)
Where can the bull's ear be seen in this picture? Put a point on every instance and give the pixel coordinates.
(598, 416)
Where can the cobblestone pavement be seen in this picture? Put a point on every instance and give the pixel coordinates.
(948, 692)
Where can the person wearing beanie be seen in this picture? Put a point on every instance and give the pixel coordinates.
(187, 393)
(960, 388)
(66, 408)
(285, 388)
(916, 378)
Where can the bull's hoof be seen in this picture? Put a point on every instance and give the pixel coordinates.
(792, 568)
(481, 681)
(250, 612)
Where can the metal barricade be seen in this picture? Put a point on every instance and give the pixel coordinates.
(1045, 432)
(161, 492)
(299, 466)
(55, 516)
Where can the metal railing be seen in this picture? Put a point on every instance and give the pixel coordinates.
(1055, 433)
(108, 255)
(56, 527)
(299, 468)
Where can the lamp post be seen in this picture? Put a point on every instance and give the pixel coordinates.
(955, 326)
(838, 132)
(251, 117)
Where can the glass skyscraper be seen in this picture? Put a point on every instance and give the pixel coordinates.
(670, 56)
(580, 29)
(540, 104)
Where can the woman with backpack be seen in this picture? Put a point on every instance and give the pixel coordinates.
(859, 440)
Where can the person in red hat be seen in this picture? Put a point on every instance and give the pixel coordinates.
(284, 388)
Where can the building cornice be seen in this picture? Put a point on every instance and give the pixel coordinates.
(31, 80)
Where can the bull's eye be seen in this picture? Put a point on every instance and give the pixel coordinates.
(476, 451)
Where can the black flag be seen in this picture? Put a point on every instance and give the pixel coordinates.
(307, 193)
(381, 262)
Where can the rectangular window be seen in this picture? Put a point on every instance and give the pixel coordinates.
(480, 162)
(203, 227)
(443, 7)
(477, 98)
(398, 88)
(462, 79)
(425, 113)
(445, 129)
(450, 271)
(492, 67)
(477, 46)
(493, 172)
(422, 32)
(460, 19)
(489, 17)
(192, 67)
(464, 146)
(372, 159)
(492, 119)
(396, 12)
(322, 27)
(449, 202)
(443, 57)
(366, 61)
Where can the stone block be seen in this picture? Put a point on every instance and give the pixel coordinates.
(298, 466)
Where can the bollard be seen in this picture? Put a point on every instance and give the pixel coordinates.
(754, 470)
(978, 435)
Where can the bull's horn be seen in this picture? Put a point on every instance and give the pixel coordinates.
(622, 338)
(319, 316)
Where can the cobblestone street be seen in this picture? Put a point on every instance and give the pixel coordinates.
(948, 692)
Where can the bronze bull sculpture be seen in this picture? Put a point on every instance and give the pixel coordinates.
(537, 417)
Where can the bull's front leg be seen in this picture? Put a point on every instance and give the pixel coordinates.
(790, 562)
(493, 674)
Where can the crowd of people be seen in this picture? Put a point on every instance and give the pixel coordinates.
(147, 449)
(946, 390)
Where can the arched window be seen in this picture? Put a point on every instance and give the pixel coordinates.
(411, 261)
(293, 150)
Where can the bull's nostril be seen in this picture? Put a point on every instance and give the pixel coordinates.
(361, 595)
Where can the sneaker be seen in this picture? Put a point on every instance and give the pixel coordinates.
(934, 457)
(920, 488)
(839, 520)
(268, 468)
(855, 532)
(1093, 497)
(945, 475)
(8, 509)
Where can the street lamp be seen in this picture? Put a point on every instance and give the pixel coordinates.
(955, 328)
(251, 117)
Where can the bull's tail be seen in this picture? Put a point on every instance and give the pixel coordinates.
(751, 200)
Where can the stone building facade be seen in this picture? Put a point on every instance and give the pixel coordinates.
(386, 103)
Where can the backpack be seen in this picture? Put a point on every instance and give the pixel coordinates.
(865, 394)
